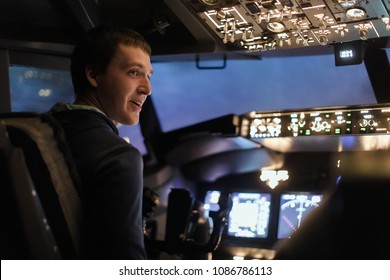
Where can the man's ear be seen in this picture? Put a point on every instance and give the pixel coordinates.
(91, 75)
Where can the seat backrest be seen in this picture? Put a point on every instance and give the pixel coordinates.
(25, 232)
(37, 148)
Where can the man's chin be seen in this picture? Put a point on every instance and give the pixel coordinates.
(127, 121)
(131, 121)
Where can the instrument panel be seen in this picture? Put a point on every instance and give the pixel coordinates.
(282, 24)
(350, 121)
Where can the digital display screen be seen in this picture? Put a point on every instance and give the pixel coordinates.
(294, 208)
(349, 53)
(250, 214)
(38, 89)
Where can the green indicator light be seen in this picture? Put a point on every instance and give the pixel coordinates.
(337, 131)
(308, 132)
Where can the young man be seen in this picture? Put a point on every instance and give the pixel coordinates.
(111, 72)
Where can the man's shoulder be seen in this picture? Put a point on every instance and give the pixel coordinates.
(79, 120)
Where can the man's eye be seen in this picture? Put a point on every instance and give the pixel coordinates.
(134, 72)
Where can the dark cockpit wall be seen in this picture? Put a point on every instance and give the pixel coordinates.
(218, 157)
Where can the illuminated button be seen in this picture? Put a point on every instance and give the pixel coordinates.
(363, 129)
(356, 13)
(275, 27)
(362, 122)
(308, 132)
(347, 3)
(337, 130)
(348, 130)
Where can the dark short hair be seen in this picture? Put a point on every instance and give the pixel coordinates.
(97, 49)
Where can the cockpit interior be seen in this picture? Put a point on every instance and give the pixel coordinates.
(266, 136)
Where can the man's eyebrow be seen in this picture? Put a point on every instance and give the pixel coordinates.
(132, 64)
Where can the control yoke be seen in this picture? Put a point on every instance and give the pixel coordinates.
(181, 219)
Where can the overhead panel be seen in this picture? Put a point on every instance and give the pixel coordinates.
(285, 24)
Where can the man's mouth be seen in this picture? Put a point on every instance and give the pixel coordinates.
(137, 103)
